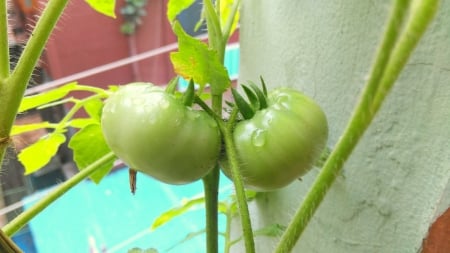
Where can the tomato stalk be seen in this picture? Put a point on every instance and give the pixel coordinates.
(12, 88)
(23, 218)
(227, 132)
(218, 41)
(7, 245)
(391, 58)
(238, 182)
(4, 46)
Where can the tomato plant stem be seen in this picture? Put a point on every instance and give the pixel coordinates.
(22, 219)
(232, 156)
(215, 36)
(229, 23)
(7, 245)
(4, 46)
(211, 187)
(227, 132)
(211, 191)
(13, 87)
(397, 51)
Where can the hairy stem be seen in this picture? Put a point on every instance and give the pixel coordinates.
(4, 45)
(376, 91)
(211, 191)
(227, 132)
(13, 87)
(21, 220)
(233, 159)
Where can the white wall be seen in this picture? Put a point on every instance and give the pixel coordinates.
(394, 183)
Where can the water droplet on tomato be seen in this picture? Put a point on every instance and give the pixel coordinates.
(164, 104)
(259, 138)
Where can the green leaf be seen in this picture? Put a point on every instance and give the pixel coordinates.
(94, 108)
(18, 129)
(34, 101)
(195, 60)
(273, 230)
(88, 146)
(40, 153)
(233, 207)
(175, 7)
(138, 250)
(176, 211)
(105, 7)
(187, 238)
(81, 122)
(223, 207)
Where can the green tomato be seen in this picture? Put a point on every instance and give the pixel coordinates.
(280, 143)
(155, 133)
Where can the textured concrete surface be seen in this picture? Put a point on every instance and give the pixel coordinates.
(394, 184)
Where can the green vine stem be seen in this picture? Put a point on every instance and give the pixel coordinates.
(227, 132)
(226, 31)
(211, 191)
(4, 46)
(238, 183)
(22, 219)
(7, 245)
(13, 87)
(419, 17)
(78, 104)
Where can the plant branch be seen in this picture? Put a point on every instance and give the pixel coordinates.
(22, 219)
(211, 191)
(13, 88)
(7, 245)
(77, 106)
(363, 115)
(232, 157)
(215, 36)
(4, 45)
(230, 20)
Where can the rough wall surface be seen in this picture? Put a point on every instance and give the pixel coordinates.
(393, 185)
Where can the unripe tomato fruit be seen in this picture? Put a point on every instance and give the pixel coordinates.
(280, 143)
(155, 133)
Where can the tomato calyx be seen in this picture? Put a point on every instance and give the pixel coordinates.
(257, 99)
(189, 95)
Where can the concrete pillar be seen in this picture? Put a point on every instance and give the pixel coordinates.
(393, 185)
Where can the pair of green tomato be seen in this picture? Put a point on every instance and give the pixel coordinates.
(153, 132)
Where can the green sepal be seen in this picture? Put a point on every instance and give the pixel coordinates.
(189, 94)
(261, 96)
(252, 97)
(230, 104)
(244, 108)
(172, 85)
(263, 84)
